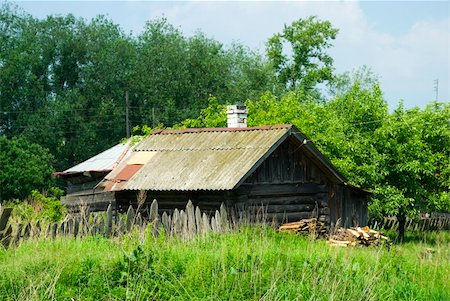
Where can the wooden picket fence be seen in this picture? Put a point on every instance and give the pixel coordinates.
(184, 224)
(431, 223)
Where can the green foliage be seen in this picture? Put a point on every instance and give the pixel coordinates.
(305, 63)
(25, 166)
(256, 263)
(416, 159)
(39, 206)
(213, 116)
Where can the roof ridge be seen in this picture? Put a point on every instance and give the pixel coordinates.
(221, 148)
(203, 130)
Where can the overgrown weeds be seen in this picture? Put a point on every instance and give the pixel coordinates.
(254, 263)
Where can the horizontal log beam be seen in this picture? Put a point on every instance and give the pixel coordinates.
(285, 200)
(281, 209)
(281, 189)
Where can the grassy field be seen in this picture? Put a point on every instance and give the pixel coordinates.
(252, 264)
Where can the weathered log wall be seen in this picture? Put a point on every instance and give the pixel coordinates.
(289, 184)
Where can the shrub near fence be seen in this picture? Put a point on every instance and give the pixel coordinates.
(182, 223)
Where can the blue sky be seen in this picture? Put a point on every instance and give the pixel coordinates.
(405, 43)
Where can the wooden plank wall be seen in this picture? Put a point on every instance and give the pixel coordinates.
(289, 184)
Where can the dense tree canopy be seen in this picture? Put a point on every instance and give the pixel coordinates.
(63, 79)
(24, 168)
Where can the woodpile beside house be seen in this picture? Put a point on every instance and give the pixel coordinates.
(357, 236)
(306, 226)
(342, 237)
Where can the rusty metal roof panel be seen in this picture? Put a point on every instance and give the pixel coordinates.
(203, 159)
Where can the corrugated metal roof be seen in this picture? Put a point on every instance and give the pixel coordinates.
(201, 159)
(104, 161)
(210, 138)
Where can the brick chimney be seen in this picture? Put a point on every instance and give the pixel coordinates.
(237, 116)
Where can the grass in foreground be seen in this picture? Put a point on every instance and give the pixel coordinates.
(253, 264)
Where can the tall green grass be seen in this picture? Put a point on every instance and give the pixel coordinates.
(256, 263)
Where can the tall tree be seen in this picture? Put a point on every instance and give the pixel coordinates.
(298, 54)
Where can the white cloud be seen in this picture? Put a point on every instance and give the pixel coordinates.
(407, 64)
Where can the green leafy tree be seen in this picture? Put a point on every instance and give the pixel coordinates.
(415, 169)
(176, 75)
(213, 116)
(25, 167)
(63, 82)
(298, 54)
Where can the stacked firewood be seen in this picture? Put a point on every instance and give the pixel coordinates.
(307, 226)
(357, 236)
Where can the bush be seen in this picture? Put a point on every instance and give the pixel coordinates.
(42, 206)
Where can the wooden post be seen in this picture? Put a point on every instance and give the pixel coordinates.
(17, 235)
(109, 220)
(26, 231)
(130, 217)
(36, 231)
(219, 226)
(166, 223)
(153, 216)
(213, 224)
(139, 219)
(198, 220)
(7, 237)
(120, 225)
(4, 217)
(54, 229)
(184, 224)
(224, 217)
(190, 219)
(76, 226)
(205, 221)
(176, 222)
(127, 114)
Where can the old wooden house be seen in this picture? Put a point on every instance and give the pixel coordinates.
(272, 167)
(83, 178)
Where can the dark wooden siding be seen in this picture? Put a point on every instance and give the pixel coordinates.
(288, 163)
(289, 185)
(207, 201)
